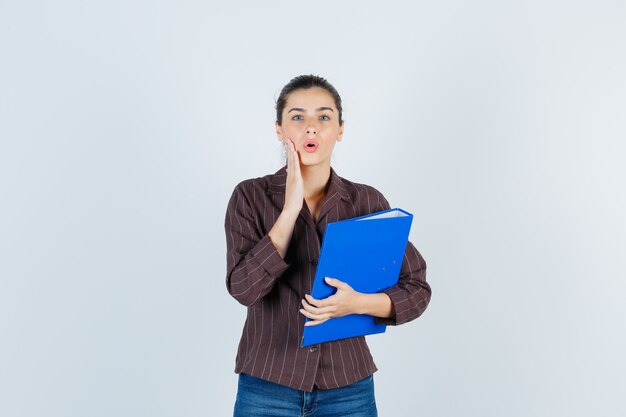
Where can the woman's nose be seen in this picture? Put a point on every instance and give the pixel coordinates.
(311, 130)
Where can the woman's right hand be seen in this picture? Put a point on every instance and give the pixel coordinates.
(294, 188)
(281, 232)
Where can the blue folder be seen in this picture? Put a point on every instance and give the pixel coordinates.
(366, 252)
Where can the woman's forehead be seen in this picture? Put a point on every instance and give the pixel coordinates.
(310, 99)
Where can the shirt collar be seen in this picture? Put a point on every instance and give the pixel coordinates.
(336, 186)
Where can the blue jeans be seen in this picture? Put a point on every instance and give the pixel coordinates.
(259, 398)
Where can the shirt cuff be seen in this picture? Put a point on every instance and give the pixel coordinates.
(397, 296)
(269, 257)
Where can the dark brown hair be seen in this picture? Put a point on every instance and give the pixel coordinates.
(304, 82)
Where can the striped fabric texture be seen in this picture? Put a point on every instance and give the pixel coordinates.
(272, 287)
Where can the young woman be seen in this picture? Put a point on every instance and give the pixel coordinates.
(274, 228)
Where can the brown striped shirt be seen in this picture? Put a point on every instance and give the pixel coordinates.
(272, 287)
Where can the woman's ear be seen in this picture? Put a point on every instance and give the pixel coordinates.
(279, 132)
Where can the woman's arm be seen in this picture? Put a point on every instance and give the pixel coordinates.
(255, 262)
(411, 295)
(294, 199)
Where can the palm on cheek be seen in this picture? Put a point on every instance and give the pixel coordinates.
(340, 304)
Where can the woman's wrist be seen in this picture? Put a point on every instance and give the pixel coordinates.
(377, 305)
(281, 232)
(291, 213)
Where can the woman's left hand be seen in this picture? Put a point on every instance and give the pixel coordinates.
(345, 301)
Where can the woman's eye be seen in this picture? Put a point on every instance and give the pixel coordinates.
(294, 117)
(326, 117)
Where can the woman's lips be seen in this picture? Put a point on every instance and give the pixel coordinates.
(310, 146)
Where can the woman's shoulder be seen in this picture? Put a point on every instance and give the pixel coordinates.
(263, 183)
(365, 193)
(358, 188)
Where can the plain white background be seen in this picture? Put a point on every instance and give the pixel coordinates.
(125, 125)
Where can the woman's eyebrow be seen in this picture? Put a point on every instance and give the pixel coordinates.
(318, 109)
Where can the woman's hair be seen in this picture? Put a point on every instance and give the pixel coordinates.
(304, 82)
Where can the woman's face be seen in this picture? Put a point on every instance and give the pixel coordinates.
(311, 121)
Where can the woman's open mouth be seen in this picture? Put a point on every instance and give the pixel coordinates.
(310, 146)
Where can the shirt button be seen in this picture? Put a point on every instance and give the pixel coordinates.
(313, 261)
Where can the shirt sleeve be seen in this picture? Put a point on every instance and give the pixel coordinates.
(411, 295)
(252, 261)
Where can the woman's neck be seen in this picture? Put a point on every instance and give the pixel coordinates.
(315, 178)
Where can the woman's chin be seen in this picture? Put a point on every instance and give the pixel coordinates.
(311, 160)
